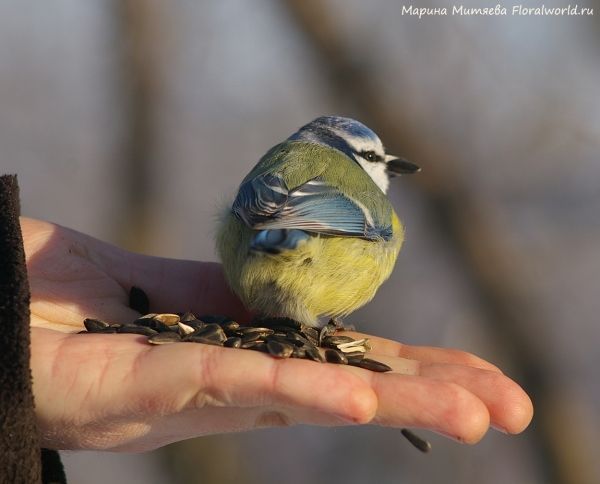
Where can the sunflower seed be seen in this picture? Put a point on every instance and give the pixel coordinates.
(419, 442)
(280, 350)
(361, 345)
(334, 356)
(333, 341)
(188, 336)
(354, 358)
(145, 320)
(94, 325)
(250, 337)
(229, 327)
(301, 339)
(213, 319)
(313, 354)
(282, 329)
(159, 326)
(211, 331)
(311, 334)
(138, 300)
(185, 317)
(167, 318)
(259, 346)
(206, 341)
(249, 344)
(233, 342)
(369, 364)
(164, 338)
(357, 349)
(196, 324)
(299, 353)
(283, 340)
(184, 329)
(133, 329)
(250, 329)
(280, 336)
(211, 335)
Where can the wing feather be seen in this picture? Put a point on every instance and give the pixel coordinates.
(265, 203)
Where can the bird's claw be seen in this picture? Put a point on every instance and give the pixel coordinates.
(334, 325)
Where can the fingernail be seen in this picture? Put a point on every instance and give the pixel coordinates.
(345, 418)
(498, 428)
(456, 438)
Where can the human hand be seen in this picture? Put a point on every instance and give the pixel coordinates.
(73, 276)
(109, 392)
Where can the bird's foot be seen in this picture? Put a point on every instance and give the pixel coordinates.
(334, 324)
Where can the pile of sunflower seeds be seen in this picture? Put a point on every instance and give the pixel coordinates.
(278, 336)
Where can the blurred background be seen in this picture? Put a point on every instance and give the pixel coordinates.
(130, 119)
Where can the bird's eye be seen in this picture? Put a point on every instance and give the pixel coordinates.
(369, 156)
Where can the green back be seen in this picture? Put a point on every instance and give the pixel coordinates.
(298, 162)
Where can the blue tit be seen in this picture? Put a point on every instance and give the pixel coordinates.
(311, 233)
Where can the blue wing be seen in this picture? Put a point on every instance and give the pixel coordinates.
(265, 203)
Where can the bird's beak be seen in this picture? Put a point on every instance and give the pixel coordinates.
(400, 166)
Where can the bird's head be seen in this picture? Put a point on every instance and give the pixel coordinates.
(359, 143)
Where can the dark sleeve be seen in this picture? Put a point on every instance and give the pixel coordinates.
(20, 454)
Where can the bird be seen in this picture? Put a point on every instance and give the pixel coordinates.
(311, 234)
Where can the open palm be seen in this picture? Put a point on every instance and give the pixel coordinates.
(103, 391)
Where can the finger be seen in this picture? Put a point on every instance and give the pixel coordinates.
(418, 402)
(224, 377)
(172, 285)
(382, 346)
(193, 422)
(118, 378)
(66, 287)
(510, 408)
(200, 286)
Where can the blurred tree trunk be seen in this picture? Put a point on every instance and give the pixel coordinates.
(146, 33)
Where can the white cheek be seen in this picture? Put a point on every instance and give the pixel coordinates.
(377, 171)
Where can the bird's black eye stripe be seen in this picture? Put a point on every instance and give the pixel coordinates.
(371, 156)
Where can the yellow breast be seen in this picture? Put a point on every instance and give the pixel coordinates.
(325, 276)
